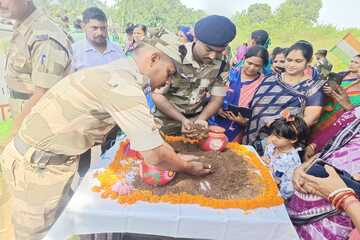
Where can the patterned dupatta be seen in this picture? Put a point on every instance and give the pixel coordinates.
(272, 97)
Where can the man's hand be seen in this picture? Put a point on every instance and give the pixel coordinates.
(194, 167)
(198, 132)
(186, 125)
(204, 124)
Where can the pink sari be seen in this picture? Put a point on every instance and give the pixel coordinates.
(342, 152)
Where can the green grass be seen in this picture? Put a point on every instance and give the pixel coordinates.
(5, 128)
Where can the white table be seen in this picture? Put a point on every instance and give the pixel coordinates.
(87, 213)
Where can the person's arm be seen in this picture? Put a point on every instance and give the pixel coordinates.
(218, 92)
(49, 63)
(236, 118)
(165, 107)
(313, 108)
(297, 179)
(310, 151)
(164, 157)
(353, 211)
(312, 115)
(325, 186)
(211, 108)
(339, 95)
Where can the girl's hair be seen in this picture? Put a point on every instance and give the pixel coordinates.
(258, 51)
(278, 50)
(305, 47)
(141, 26)
(129, 28)
(261, 37)
(292, 128)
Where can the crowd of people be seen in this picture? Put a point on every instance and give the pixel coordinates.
(67, 97)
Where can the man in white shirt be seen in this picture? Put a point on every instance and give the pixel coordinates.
(96, 49)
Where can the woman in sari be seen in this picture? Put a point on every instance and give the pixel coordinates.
(244, 81)
(334, 184)
(349, 87)
(313, 216)
(292, 91)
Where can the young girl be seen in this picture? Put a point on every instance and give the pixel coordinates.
(288, 136)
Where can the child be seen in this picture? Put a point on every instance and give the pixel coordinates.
(281, 150)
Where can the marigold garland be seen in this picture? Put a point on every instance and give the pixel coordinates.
(116, 171)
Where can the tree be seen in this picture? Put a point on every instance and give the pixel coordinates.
(259, 12)
(304, 10)
(168, 13)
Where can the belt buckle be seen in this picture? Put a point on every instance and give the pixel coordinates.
(42, 165)
(39, 159)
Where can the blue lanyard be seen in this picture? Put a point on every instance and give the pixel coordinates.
(149, 101)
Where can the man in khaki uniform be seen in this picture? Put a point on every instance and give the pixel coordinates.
(39, 56)
(73, 116)
(198, 88)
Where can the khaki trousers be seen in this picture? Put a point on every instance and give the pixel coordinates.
(39, 193)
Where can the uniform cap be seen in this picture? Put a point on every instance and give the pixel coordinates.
(215, 30)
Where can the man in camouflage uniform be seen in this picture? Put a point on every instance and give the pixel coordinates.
(39, 56)
(73, 116)
(199, 86)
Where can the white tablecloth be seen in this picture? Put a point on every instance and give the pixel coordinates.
(87, 213)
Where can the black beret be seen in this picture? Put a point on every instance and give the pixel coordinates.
(215, 30)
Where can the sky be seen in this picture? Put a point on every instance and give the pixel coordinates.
(342, 14)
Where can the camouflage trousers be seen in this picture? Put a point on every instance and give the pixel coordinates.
(39, 191)
(16, 106)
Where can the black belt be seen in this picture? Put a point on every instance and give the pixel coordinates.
(41, 158)
(19, 95)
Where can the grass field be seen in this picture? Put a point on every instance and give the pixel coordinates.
(5, 227)
(5, 128)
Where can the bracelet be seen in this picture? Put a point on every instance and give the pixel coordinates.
(347, 204)
(339, 203)
(311, 145)
(334, 193)
(338, 196)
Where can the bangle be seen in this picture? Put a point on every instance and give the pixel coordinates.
(346, 204)
(338, 196)
(339, 203)
(334, 193)
(312, 146)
